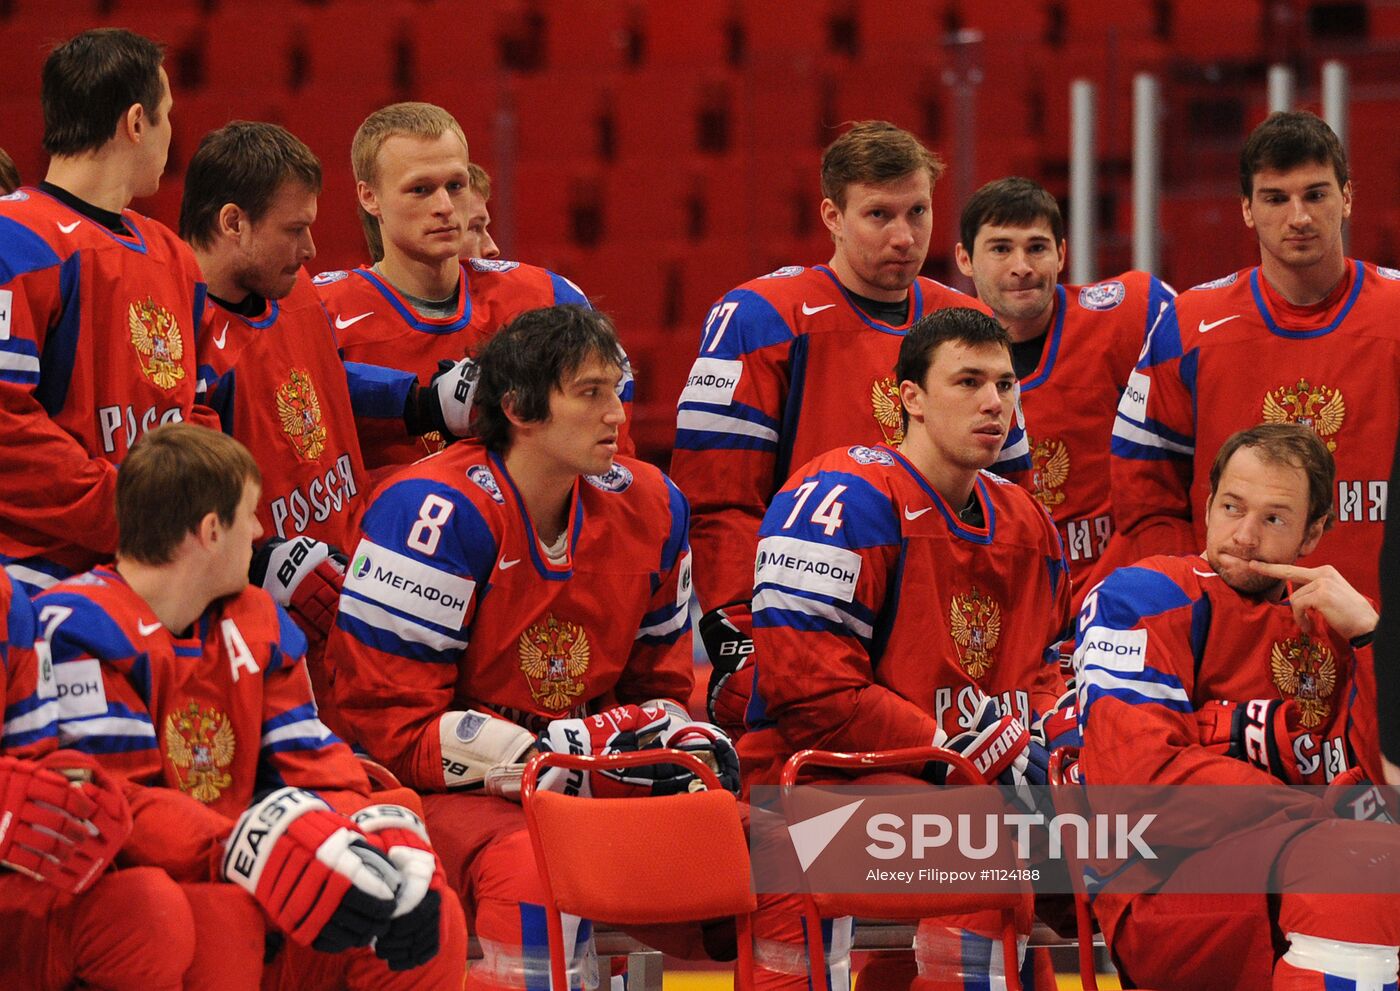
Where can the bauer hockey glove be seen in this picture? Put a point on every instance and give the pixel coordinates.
(304, 576)
(412, 937)
(62, 819)
(621, 729)
(445, 404)
(1261, 732)
(317, 876)
(727, 633)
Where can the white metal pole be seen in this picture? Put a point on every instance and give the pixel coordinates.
(1147, 173)
(1083, 219)
(1280, 88)
(1336, 95)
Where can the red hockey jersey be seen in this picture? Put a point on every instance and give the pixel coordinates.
(97, 337)
(449, 603)
(880, 616)
(1094, 340)
(279, 387)
(198, 724)
(1225, 356)
(377, 326)
(789, 367)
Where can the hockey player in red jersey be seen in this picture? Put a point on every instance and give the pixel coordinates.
(905, 597)
(420, 304)
(1073, 348)
(176, 674)
(66, 918)
(798, 362)
(99, 307)
(476, 238)
(1188, 669)
(1307, 336)
(520, 586)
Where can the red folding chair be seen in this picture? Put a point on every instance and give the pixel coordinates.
(902, 906)
(695, 867)
(1083, 920)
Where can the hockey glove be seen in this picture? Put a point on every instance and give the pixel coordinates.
(1001, 748)
(1351, 795)
(446, 404)
(316, 875)
(304, 576)
(412, 938)
(62, 819)
(621, 729)
(1060, 726)
(1260, 732)
(712, 745)
(727, 633)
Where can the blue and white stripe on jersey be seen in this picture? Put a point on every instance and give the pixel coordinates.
(291, 641)
(33, 718)
(809, 563)
(1135, 435)
(669, 622)
(24, 252)
(296, 729)
(413, 574)
(707, 416)
(1111, 642)
(117, 730)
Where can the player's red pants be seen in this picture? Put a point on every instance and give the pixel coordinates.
(1231, 941)
(132, 929)
(230, 942)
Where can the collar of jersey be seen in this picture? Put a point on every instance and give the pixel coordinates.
(190, 646)
(410, 316)
(1052, 346)
(260, 323)
(543, 567)
(1302, 335)
(136, 242)
(983, 535)
(916, 305)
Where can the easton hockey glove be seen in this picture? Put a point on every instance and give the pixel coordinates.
(319, 878)
(1261, 732)
(412, 937)
(62, 819)
(304, 576)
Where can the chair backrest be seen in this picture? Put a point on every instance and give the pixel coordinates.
(643, 860)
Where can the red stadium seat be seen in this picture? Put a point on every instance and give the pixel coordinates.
(694, 866)
(365, 52)
(589, 34)
(914, 905)
(452, 42)
(556, 116)
(694, 33)
(246, 54)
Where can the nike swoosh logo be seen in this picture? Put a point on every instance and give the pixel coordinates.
(809, 310)
(68, 228)
(1204, 327)
(146, 629)
(341, 323)
(914, 514)
(504, 565)
(223, 336)
(1203, 574)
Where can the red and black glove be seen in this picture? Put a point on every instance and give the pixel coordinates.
(319, 878)
(727, 633)
(412, 937)
(62, 819)
(1260, 732)
(304, 576)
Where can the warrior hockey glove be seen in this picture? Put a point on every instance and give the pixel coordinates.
(316, 875)
(1000, 747)
(62, 819)
(727, 633)
(1260, 732)
(412, 938)
(304, 576)
(621, 729)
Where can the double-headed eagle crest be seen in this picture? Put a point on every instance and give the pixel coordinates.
(884, 400)
(199, 743)
(554, 657)
(300, 413)
(974, 620)
(1049, 471)
(1304, 670)
(1319, 407)
(155, 335)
